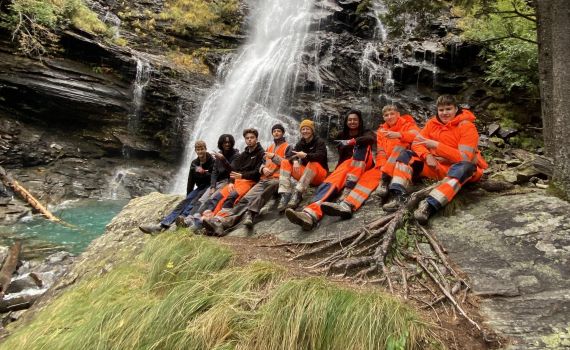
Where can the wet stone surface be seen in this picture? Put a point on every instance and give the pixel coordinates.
(516, 251)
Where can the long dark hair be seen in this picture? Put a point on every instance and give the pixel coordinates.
(346, 130)
(221, 140)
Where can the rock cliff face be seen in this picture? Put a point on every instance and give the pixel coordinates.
(93, 110)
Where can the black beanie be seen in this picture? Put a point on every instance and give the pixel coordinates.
(278, 126)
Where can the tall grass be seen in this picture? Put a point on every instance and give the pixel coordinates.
(186, 292)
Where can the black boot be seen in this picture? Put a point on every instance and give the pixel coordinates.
(342, 209)
(213, 226)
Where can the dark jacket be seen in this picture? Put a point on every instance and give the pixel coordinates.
(316, 151)
(248, 162)
(367, 138)
(222, 168)
(200, 180)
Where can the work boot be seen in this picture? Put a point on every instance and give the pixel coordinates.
(283, 202)
(306, 221)
(181, 221)
(295, 200)
(342, 209)
(214, 226)
(248, 219)
(423, 213)
(344, 194)
(152, 228)
(395, 203)
(381, 192)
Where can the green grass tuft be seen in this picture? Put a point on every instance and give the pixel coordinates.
(187, 292)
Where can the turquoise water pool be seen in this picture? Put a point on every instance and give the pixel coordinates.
(89, 218)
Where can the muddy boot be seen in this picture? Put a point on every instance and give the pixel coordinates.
(181, 221)
(248, 219)
(397, 201)
(283, 202)
(342, 209)
(345, 192)
(213, 226)
(152, 228)
(295, 200)
(381, 192)
(306, 221)
(423, 213)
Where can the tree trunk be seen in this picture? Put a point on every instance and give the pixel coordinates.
(554, 50)
(543, 12)
(561, 93)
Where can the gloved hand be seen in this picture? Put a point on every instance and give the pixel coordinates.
(341, 143)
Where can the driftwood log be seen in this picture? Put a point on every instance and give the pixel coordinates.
(26, 195)
(9, 267)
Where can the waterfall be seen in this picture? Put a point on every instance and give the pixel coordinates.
(142, 79)
(258, 84)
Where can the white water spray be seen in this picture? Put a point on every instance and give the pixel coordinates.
(259, 82)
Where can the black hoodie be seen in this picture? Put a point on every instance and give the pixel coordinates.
(248, 162)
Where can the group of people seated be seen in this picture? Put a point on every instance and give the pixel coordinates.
(228, 187)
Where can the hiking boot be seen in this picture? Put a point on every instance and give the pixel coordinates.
(382, 191)
(283, 202)
(152, 228)
(248, 219)
(301, 218)
(423, 213)
(345, 192)
(295, 200)
(395, 203)
(213, 226)
(181, 221)
(342, 209)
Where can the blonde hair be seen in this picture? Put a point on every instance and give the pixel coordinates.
(200, 143)
(387, 108)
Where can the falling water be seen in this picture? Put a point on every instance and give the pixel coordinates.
(259, 82)
(142, 79)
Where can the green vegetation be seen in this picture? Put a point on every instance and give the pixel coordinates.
(199, 16)
(406, 16)
(507, 31)
(34, 22)
(187, 292)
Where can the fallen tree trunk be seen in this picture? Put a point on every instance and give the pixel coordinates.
(9, 267)
(26, 195)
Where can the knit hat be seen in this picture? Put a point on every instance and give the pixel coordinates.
(278, 126)
(308, 123)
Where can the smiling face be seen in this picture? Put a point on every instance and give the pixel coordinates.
(250, 139)
(306, 132)
(391, 117)
(353, 121)
(446, 113)
(200, 151)
(277, 134)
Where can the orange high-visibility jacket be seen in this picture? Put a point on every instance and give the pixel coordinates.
(458, 140)
(406, 125)
(279, 153)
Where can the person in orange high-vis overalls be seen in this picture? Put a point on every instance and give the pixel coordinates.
(355, 157)
(308, 166)
(446, 150)
(392, 138)
(249, 206)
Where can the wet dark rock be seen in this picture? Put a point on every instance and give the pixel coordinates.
(507, 133)
(492, 129)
